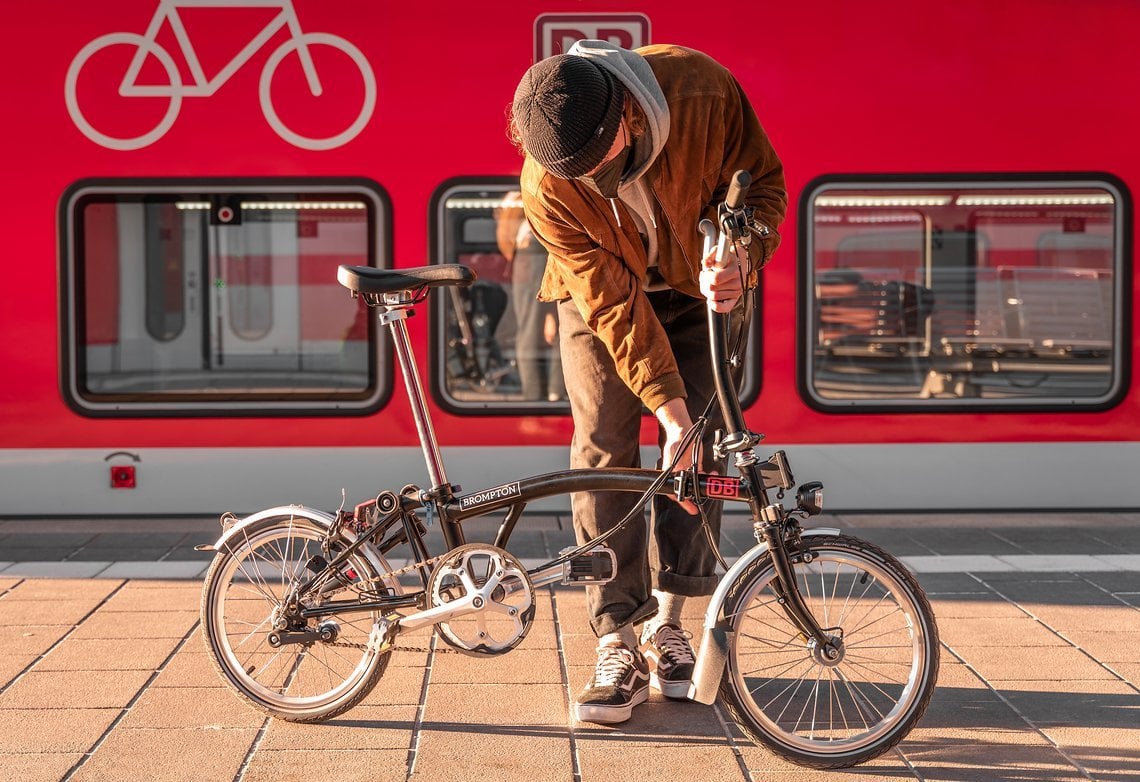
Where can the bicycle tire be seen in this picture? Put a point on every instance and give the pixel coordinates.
(301, 682)
(876, 693)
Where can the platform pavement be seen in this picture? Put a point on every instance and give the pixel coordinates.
(103, 673)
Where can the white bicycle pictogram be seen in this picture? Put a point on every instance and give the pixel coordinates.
(299, 42)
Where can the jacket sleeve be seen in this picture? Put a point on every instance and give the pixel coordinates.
(609, 296)
(747, 147)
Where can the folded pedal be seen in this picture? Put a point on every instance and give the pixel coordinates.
(596, 566)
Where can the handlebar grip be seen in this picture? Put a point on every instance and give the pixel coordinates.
(741, 181)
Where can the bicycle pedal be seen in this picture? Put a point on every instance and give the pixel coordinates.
(596, 566)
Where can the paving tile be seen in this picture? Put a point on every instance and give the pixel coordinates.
(1051, 662)
(117, 554)
(1111, 754)
(974, 606)
(379, 765)
(55, 731)
(149, 596)
(494, 704)
(526, 666)
(957, 563)
(168, 569)
(12, 665)
(179, 707)
(108, 654)
(187, 669)
(177, 755)
(62, 589)
(159, 624)
(462, 752)
(364, 728)
(1068, 563)
(986, 756)
(1110, 615)
(399, 686)
(35, 613)
(53, 568)
(37, 767)
(1109, 646)
(30, 639)
(989, 631)
(1088, 704)
(630, 760)
(73, 690)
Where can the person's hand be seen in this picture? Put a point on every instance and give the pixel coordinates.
(722, 288)
(674, 419)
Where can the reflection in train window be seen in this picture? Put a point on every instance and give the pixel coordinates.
(499, 344)
(186, 298)
(496, 348)
(958, 294)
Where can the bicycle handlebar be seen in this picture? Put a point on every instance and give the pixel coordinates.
(738, 188)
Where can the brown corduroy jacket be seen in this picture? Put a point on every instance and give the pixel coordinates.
(602, 265)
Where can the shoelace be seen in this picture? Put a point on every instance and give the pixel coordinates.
(613, 663)
(673, 645)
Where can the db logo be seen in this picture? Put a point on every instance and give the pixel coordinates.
(722, 487)
(556, 33)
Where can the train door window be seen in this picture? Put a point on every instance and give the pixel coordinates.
(200, 297)
(496, 347)
(964, 293)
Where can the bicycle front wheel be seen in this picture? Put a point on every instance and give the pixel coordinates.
(302, 671)
(787, 696)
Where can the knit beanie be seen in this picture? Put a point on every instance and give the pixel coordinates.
(567, 110)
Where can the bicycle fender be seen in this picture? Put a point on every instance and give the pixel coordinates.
(320, 517)
(716, 638)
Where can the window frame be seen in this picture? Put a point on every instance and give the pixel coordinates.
(371, 399)
(1122, 294)
(438, 382)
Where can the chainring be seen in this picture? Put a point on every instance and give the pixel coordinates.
(500, 593)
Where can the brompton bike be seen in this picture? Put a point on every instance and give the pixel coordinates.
(821, 646)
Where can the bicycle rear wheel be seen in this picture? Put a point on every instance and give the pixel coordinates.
(243, 604)
(821, 713)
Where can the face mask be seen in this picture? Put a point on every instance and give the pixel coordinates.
(607, 178)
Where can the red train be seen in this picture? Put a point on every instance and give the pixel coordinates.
(947, 325)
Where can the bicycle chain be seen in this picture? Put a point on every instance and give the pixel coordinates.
(396, 574)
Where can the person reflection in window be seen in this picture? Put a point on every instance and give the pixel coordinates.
(536, 340)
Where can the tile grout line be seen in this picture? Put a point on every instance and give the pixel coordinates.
(564, 672)
(417, 727)
(63, 638)
(732, 745)
(1032, 725)
(134, 699)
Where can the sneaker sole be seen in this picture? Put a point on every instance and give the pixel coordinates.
(609, 715)
(677, 690)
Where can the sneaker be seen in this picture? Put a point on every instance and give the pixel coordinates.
(620, 682)
(671, 659)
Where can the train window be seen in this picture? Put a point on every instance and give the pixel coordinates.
(960, 293)
(220, 297)
(496, 347)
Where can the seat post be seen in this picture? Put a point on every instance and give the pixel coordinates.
(394, 318)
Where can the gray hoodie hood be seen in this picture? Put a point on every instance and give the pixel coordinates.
(635, 73)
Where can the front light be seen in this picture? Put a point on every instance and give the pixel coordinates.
(809, 498)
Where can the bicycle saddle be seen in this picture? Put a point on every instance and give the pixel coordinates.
(366, 279)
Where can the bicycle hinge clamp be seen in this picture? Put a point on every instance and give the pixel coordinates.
(391, 316)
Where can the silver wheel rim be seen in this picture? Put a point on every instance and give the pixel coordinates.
(247, 590)
(816, 708)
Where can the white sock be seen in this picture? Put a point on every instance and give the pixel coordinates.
(669, 608)
(624, 635)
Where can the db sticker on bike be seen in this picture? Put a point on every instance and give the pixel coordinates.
(718, 486)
